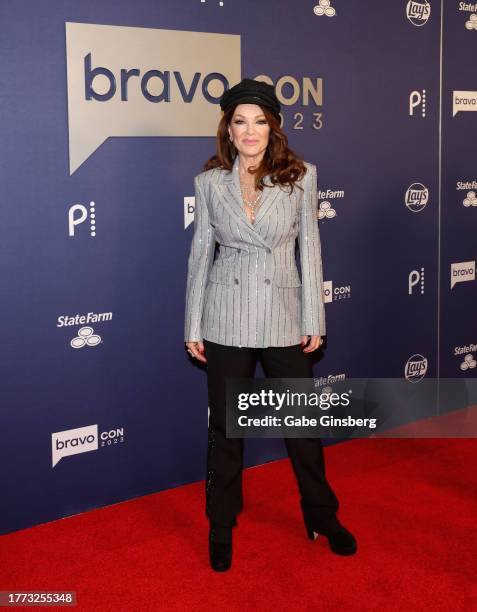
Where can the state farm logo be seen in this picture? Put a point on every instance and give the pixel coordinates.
(468, 350)
(329, 380)
(324, 8)
(326, 211)
(415, 368)
(90, 317)
(470, 199)
(471, 23)
(82, 440)
(85, 337)
(469, 362)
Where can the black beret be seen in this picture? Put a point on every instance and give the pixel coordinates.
(252, 92)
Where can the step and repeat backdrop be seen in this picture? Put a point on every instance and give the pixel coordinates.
(108, 111)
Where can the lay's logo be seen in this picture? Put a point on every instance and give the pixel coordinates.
(125, 81)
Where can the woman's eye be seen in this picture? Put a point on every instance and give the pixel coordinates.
(262, 121)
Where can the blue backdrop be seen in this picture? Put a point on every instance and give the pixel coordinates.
(397, 178)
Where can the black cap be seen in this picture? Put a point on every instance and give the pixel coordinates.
(252, 92)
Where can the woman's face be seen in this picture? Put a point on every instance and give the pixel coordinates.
(249, 129)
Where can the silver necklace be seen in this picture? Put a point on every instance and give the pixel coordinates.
(252, 204)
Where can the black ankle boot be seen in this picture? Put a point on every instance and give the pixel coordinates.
(340, 540)
(220, 547)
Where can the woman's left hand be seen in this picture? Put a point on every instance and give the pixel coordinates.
(315, 343)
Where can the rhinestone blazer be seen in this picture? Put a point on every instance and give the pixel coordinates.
(251, 294)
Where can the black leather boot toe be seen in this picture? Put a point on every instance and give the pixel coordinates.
(220, 547)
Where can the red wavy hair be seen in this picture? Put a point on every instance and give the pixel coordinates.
(279, 161)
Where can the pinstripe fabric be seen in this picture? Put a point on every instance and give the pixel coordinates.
(251, 294)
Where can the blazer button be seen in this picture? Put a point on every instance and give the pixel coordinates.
(236, 281)
(267, 280)
(269, 250)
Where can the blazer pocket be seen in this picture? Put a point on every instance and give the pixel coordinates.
(287, 278)
(221, 275)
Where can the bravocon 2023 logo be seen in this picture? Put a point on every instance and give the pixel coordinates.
(125, 81)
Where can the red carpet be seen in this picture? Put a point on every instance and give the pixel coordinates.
(412, 504)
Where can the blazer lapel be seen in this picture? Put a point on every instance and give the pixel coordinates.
(232, 197)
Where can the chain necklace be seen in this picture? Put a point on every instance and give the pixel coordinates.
(252, 204)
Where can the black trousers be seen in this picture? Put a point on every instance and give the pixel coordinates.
(223, 484)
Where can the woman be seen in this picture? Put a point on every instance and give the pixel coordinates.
(249, 303)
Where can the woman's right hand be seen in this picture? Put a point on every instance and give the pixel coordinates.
(196, 350)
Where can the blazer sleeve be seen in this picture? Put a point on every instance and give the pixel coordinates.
(313, 307)
(200, 260)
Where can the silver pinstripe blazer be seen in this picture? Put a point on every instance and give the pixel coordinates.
(251, 295)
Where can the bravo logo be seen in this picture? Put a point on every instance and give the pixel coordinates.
(82, 440)
(462, 271)
(73, 442)
(126, 81)
(464, 101)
